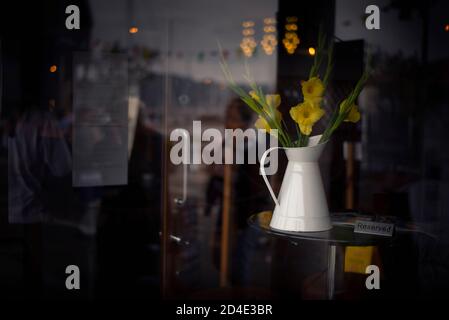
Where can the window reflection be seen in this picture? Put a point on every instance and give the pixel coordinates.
(85, 123)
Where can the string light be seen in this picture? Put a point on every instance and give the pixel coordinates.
(312, 51)
(133, 30)
(248, 32)
(269, 41)
(269, 29)
(248, 43)
(291, 39)
(291, 27)
(248, 24)
(53, 68)
(446, 28)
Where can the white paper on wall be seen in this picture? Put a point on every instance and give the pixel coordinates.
(100, 130)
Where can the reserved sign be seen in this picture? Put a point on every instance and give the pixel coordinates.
(370, 227)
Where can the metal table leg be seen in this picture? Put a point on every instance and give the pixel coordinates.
(331, 272)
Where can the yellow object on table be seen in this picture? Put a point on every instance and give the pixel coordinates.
(358, 258)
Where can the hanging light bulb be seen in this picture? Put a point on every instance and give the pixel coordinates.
(248, 43)
(269, 41)
(312, 51)
(291, 39)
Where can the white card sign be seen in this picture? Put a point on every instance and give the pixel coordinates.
(371, 227)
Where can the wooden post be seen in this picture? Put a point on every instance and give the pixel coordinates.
(349, 175)
(225, 225)
(166, 271)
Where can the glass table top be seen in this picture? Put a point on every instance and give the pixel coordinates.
(341, 234)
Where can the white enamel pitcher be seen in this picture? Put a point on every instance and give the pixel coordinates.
(301, 204)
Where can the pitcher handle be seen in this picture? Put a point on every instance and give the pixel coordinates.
(264, 175)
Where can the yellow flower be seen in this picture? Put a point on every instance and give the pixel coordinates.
(306, 115)
(254, 95)
(353, 115)
(270, 110)
(312, 90)
(261, 123)
(273, 100)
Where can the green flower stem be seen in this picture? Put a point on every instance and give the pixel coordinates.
(318, 58)
(330, 64)
(298, 132)
(340, 115)
(282, 137)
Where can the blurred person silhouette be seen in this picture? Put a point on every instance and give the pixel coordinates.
(39, 162)
(39, 166)
(40, 159)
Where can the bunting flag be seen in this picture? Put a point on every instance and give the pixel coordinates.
(147, 54)
(200, 56)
